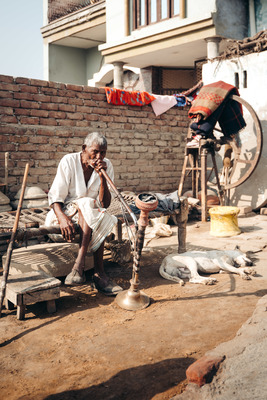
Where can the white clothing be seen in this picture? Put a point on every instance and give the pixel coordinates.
(162, 103)
(69, 183)
(70, 189)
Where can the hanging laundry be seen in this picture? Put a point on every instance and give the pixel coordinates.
(162, 103)
(123, 97)
(213, 105)
(181, 100)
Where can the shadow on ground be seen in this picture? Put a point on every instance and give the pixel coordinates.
(142, 382)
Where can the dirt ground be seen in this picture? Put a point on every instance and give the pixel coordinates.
(93, 349)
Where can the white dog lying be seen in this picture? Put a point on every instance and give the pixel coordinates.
(176, 267)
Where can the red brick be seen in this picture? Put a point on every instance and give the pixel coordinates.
(23, 96)
(67, 108)
(25, 81)
(22, 111)
(98, 97)
(48, 163)
(6, 78)
(48, 121)
(84, 109)
(29, 120)
(28, 89)
(56, 85)
(49, 106)
(39, 155)
(9, 87)
(8, 119)
(39, 113)
(99, 111)
(75, 141)
(57, 114)
(57, 99)
(42, 98)
(203, 370)
(113, 111)
(76, 115)
(91, 89)
(27, 147)
(76, 88)
(45, 131)
(20, 139)
(46, 148)
(6, 95)
(89, 103)
(84, 96)
(28, 104)
(6, 110)
(9, 103)
(57, 140)
(38, 82)
(7, 147)
(66, 122)
(78, 102)
(82, 123)
(38, 139)
(49, 91)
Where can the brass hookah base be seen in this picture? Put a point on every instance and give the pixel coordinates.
(133, 299)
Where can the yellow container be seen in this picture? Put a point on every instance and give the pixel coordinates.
(223, 221)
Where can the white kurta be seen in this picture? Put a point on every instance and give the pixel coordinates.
(70, 189)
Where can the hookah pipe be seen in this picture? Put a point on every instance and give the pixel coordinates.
(133, 299)
(120, 197)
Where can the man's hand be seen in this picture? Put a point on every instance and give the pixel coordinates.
(66, 225)
(98, 165)
(67, 228)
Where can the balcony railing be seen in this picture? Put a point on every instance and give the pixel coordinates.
(61, 8)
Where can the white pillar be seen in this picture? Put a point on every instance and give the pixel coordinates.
(118, 75)
(213, 47)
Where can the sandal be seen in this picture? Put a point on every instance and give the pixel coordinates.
(74, 278)
(110, 289)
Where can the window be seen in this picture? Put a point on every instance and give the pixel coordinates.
(146, 12)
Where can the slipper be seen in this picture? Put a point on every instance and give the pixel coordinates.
(74, 278)
(111, 289)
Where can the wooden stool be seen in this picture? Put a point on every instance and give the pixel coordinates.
(31, 288)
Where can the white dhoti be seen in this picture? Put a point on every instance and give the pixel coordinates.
(97, 218)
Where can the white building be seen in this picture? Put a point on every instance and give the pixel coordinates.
(164, 43)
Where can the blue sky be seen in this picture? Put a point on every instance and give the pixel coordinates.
(21, 49)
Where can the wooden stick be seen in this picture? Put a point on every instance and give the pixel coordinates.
(13, 237)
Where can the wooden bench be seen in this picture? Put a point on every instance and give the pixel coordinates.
(38, 215)
(30, 288)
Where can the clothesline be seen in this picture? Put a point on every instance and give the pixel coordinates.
(159, 103)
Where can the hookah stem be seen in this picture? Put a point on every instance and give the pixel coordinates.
(119, 195)
(139, 246)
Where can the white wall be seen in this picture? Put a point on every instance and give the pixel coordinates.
(67, 65)
(115, 24)
(230, 19)
(255, 65)
(115, 17)
(254, 191)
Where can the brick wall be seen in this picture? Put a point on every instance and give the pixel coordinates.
(41, 121)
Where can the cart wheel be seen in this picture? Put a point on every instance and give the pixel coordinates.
(239, 156)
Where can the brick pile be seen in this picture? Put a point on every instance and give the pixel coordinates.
(41, 121)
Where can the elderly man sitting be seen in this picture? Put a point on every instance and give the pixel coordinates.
(80, 194)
